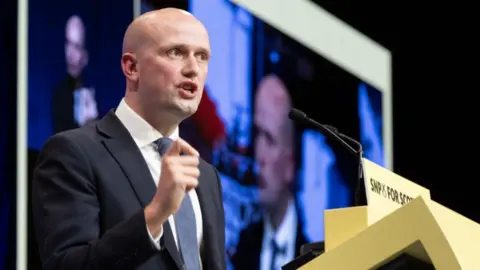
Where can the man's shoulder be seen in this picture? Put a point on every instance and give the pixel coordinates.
(79, 137)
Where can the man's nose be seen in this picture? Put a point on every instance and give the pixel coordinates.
(191, 68)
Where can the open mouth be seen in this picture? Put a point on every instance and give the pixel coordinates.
(189, 89)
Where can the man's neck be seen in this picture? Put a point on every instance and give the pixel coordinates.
(277, 213)
(164, 127)
(74, 73)
(166, 132)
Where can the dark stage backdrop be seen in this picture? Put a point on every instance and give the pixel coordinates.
(8, 72)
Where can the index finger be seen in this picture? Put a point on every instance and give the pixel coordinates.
(180, 146)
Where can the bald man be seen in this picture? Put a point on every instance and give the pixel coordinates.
(277, 238)
(127, 192)
(73, 104)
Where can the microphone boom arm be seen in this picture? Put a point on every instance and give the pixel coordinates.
(360, 192)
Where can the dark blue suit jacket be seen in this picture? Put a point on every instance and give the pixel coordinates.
(89, 190)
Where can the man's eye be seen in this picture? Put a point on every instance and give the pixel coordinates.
(203, 56)
(175, 53)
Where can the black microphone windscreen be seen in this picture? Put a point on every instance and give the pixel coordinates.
(297, 114)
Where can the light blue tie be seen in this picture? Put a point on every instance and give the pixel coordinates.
(184, 222)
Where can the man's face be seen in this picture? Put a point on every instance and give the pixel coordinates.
(75, 53)
(173, 67)
(272, 153)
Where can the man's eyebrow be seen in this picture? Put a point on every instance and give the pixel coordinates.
(187, 47)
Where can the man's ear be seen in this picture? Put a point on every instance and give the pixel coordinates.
(130, 66)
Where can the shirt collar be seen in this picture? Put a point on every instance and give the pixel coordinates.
(141, 131)
(285, 233)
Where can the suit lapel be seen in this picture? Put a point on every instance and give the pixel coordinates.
(131, 161)
(211, 258)
(206, 252)
(123, 149)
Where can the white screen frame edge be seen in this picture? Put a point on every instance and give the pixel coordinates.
(22, 154)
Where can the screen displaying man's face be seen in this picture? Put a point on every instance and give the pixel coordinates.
(275, 172)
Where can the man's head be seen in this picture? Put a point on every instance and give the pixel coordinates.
(75, 54)
(274, 140)
(165, 61)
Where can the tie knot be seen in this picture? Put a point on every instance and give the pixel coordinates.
(163, 144)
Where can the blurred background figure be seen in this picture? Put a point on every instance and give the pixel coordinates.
(73, 104)
(277, 238)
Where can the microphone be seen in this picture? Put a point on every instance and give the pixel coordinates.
(298, 115)
(330, 131)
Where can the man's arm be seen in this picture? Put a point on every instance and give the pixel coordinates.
(66, 214)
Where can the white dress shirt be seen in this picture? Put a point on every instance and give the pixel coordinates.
(285, 237)
(144, 136)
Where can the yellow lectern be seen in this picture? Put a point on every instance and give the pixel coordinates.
(400, 219)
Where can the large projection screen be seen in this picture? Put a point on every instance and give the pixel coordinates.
(331, 38)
